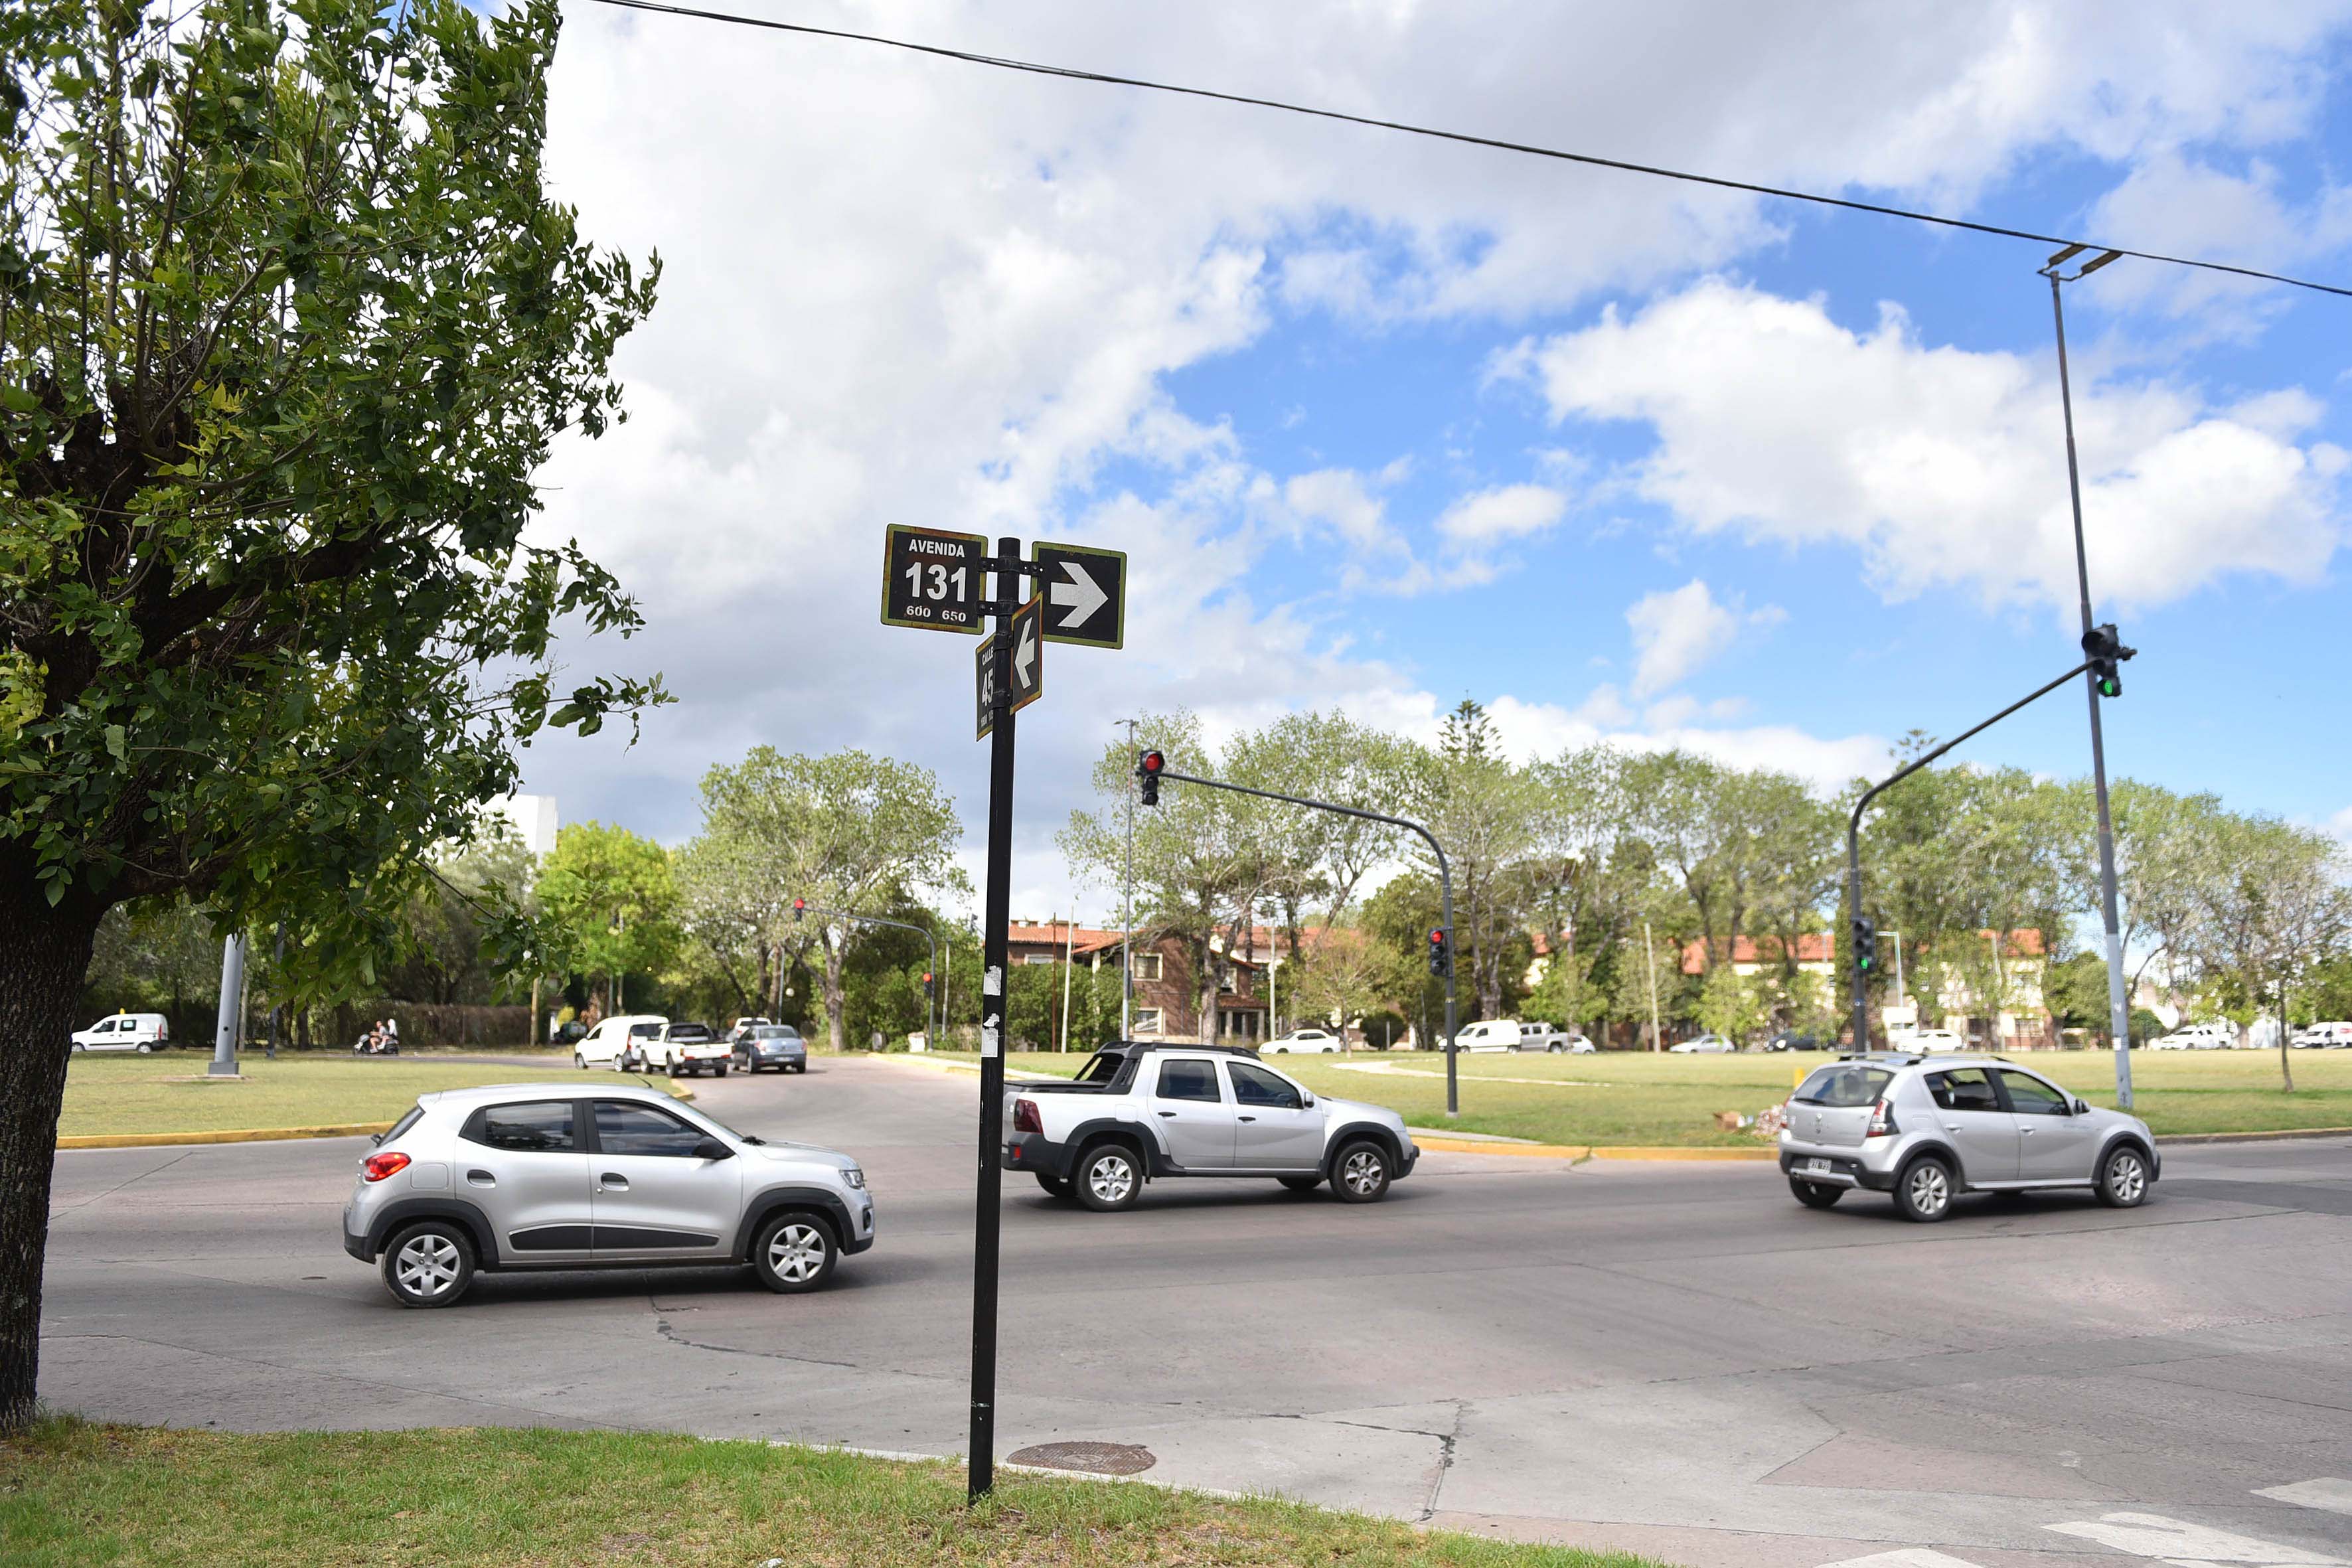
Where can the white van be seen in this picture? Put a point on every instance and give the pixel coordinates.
(2324, 1036)
(141, 1032)
(1494, 1035)
(602, 1046)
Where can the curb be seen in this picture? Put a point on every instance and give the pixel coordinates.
(240, 1135)
(1589, 1150)
(2286, 1136)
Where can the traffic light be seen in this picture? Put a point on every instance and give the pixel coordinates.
(1865, 945)
(2106, 653)
(1440, 956)
(799, 908)
(1148, 766)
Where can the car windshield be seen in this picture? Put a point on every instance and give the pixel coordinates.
(1846, 1086)
(775, 1032)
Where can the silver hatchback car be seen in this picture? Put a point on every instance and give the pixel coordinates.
(1927, 1129)
(548, 1176)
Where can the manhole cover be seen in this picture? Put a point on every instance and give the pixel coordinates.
(1094, 1458)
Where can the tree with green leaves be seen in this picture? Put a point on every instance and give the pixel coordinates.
(287, 327)
(846, 831)
(612, 898)
(1487, 811)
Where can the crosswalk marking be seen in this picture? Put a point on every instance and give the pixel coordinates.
(2187, 1546)
(2331, 1492)
(1908, 1557)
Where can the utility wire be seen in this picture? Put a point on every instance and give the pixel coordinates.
(1591, 159)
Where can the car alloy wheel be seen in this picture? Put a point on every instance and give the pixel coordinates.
(1108, 1179)
(1362, 1174)
(428, 1265)
(1926, 1191)
(2123, 1182)
(796, 1252)
(146, 1050)
(580, 1061)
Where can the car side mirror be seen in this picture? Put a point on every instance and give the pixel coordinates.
(1308, 1101)
(2082, 1108)
(712, 1148)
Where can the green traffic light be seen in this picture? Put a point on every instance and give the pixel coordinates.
(2109, 686)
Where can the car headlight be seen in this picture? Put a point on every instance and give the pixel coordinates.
(855, 1177)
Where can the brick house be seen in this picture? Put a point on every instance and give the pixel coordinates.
(1166, 990)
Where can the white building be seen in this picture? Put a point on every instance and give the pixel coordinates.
(533, 817)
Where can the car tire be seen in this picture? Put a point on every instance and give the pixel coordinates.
(1301, 1184)
(1056, 1186)
(1816, 1194)
(673, 1069)
(1923, 1192)
(1107, 1177)
(580, 1061)
(722, 1069)
(429, 1264)
(1554, 1050)
(1360, 1172)
(795, 1252)
(2123, 1178)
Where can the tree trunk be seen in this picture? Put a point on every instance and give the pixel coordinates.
(836, 1021)
(44, 954)
(2286, 1061)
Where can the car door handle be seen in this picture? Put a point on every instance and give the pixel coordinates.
(1166, 1113)
(481, 1178)
(2025, 1132)
(1249, 1118)
(1951, 1127)
(618, 1183)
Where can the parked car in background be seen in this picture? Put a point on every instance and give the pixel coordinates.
(1927, 1131)
(142, 1032)
(1304, 1042)
(669, 1186)
(765, 1046)
(1927, 1042)
(1556, 1042)
(1710, 1045)
(608, 1042)
(1491, 1035)
(735, 1030)
(2324, 1036)
(680, 1049)
(1792, 1040)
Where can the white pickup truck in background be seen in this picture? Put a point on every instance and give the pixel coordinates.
(1139, 1112)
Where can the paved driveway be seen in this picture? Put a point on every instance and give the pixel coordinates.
(1675, 1358)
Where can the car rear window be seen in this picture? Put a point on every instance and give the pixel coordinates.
(404, 1123)
(775, 1032)
(1844, 1084)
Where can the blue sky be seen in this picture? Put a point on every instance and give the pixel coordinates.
(1388, 424)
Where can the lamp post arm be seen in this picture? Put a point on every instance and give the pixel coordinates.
(1853, 833)
(1444, 890)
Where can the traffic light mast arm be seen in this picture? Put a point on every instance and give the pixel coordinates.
(1445, 889)
(1855, 963)
(801, 908)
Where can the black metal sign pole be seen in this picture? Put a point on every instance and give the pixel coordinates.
(997, 901)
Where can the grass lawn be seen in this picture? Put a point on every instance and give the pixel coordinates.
(74, 1495)
(138, 1094)
(1634, 1097)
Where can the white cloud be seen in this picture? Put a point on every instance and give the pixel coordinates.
(1677, 631)
(2176, 204)
(1505, 512)
(1941, 465)
(1827, 764)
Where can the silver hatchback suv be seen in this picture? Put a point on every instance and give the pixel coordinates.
(548, 1176)
(1927, 1129)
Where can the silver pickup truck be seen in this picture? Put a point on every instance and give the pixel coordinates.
(1139, 1111)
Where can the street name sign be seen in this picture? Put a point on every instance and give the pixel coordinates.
(1028, 666)
(1085, 591)
(931, 579)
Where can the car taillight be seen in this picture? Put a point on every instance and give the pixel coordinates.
(1026, 1118)
(377, 1166)
(1882, 1121)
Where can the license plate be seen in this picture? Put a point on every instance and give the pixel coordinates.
(1817, 1167)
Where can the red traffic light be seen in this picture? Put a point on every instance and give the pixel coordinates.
(1437, 939)
(926, 977)
(1151, 763)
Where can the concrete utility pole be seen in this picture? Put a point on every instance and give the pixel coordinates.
(231, 1011)
(1650, 958)
(1069, 961)
(2118, 1005)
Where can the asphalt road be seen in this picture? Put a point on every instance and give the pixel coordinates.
(1673, 1357)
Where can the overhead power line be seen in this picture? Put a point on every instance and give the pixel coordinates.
(1590, 159)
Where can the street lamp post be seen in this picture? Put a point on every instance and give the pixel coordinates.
(1444, 890)
(2118, 1005)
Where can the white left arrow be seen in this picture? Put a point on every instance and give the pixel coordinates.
(1024, 656)
(1082, 594)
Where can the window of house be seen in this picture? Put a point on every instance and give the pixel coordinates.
(1147, 1021)
(1145, 965)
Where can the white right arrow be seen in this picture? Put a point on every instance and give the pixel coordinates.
(1025, 654)
(1081, 593)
